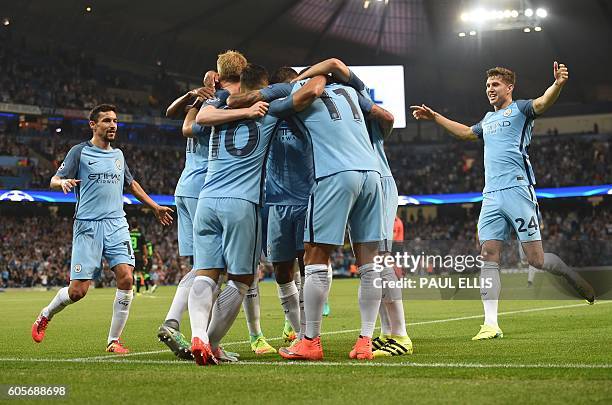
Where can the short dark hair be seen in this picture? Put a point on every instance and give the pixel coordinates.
(95, 112)
(506, 75)
(283, 74)
(253, 75)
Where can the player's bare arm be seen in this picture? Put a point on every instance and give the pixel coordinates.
(546, 100)
(384, 118)
(66, 185)
(332, 66)
(243, 100)
(163, 214)
(213, 116)
(458, 130)
(178, 106)
(190, 118)
(305, 96)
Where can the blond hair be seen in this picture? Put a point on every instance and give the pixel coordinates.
(230, 64)
(506, 75)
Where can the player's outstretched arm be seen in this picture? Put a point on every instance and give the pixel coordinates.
(213, 116)
(163, 214)
(66, 185)
(244, 100)
(546, 100)
(333, 66)
(463, 132)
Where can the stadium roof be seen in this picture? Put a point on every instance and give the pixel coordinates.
(186, 36)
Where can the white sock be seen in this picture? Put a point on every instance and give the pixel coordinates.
(225, 311)
(181, 298)
(489, 274)
(252, 311)
(290, 301)
(393, 305)
(121, 311)
(200, 304)
(316, 290)
(59, 302)
(369, 298)
(297, 278)
(302, 313)
(531, 274)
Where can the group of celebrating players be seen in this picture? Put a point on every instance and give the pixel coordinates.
(304, 153)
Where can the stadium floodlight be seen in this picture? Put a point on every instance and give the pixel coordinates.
(526, 29)
(366, 4)
(88, 9)
(542, 13)
(514, 13)
(6, 22)
(472, 33)
(462, 34)
(465, 16)
(538, 29)
(528, 12)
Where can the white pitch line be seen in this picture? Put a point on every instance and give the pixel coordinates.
(319, 363)
(338, 332)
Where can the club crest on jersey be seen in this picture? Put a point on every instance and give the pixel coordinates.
(77, 268)
(507, 112)
(118, 164)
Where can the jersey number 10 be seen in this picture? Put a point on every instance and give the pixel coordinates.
(230, 140)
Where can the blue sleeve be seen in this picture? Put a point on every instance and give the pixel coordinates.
(219, 100)
(365, 104)
(127, 175)
(70, 166)
(282, 108)
(198, 130)
(477, 129)
(277, 90)
(526, 107)
(355, 82)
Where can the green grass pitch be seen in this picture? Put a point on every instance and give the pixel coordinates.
(553, 352)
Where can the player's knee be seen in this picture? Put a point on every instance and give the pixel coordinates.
(76, 293)
(536, 260)
(489, 254)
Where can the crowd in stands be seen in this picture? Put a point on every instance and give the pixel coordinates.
(35, 250)
(70, 79)
(418, 169)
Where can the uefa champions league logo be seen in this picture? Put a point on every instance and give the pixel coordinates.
(16, 196)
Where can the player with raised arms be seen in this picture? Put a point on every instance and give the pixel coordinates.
(509, 201)
(97, 172)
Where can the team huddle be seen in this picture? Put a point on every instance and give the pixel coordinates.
(288, 165)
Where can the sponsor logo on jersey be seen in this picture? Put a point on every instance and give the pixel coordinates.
(104, 178)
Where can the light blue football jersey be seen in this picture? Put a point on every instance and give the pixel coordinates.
(289, 168)
(237, 153)
(103, 174)
(196, 163)
(336, 127)
(507, 135)
(196, 153)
